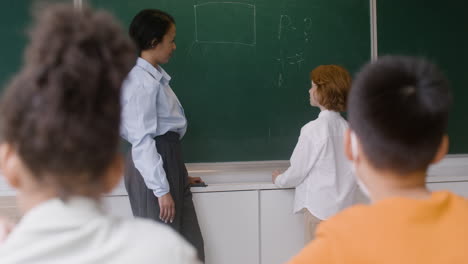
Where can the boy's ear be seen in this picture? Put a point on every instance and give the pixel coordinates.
(114, 174)
(442, 150)
(10, 165)
(348, 145)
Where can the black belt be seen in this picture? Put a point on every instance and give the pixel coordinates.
(169, 136)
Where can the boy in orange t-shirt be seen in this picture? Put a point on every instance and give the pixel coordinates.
(398, 113)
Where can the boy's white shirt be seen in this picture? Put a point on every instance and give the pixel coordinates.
(320, 171)
(79, 232)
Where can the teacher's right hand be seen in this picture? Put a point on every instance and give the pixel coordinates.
(166, 208)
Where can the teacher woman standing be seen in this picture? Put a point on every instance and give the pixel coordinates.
(153, 121)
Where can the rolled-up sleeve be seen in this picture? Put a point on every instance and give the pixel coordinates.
(139, 123)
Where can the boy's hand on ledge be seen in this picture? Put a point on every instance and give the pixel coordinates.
(275, 175)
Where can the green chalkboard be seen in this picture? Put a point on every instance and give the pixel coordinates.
(14, 17)
(436, 30)
(15, 20)
(241, 69)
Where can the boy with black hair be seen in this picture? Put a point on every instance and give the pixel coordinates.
(398, 113)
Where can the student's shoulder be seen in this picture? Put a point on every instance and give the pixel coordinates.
(159, 242)
(311, 127)
(316, 129)
(452, 196)
(354, 218)
(151, 231)
(454, 201)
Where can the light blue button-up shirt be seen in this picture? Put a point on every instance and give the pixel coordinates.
(150, 109)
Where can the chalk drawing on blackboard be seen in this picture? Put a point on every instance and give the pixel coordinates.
(280, 79)
(297, 58)
(285, 23)
(207, 28)
(307, 28)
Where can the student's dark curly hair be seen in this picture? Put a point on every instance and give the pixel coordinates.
(61, 112)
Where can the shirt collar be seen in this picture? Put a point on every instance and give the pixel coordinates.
(328, 113)
(157, 73)
(57, 213)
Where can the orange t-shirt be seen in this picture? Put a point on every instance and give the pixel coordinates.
(394, 231)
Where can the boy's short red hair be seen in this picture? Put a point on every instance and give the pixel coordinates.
(333, 84)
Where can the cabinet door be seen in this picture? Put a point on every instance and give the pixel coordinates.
(281, 231)
(229, 224)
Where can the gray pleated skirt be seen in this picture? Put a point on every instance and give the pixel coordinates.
(145, 204)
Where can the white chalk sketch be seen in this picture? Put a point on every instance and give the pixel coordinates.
(280, 79)
(297, 58)
(284, 23)
(307, 29)
(251, 7)
(283, 61)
